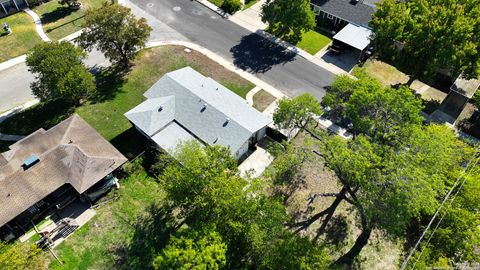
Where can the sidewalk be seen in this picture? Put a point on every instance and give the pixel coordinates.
(250, 19)
(38, 24)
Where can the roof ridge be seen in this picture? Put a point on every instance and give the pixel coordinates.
(68, 127)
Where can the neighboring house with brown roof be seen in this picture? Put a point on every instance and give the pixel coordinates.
(41, 172)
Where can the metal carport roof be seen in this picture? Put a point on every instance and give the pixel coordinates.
(354, 35)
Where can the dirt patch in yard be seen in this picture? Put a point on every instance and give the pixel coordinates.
(262, 99)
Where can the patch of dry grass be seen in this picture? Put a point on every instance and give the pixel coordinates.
(262, 99)
(385, 73)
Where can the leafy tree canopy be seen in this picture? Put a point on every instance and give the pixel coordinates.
(231, 6)
(206, 187)
(60, 72)
(457, 237)
(288, 19)
(193, 249)
(297, 112)
(382, 113)
(22, 256)
(115, 31)
(423, 37)
(391, 186)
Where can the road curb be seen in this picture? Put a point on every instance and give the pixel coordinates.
(214, 8)
(220, 60)
(274, 39)
(17, 109)
(20, 59)
(12, 62)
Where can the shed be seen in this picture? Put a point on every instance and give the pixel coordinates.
(460, 93)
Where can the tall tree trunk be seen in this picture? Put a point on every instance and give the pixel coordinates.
(362, 240)
(329, 212)
(332, 208)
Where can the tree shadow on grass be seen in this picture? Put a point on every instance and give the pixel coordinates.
(109, 82)
(151, 234)
(258, 55)
(55, 15)
(130, 143)
(44, 115)
(336, 231)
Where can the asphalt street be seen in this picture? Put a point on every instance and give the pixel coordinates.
(280, 68)
(15, 81)
(188, 20)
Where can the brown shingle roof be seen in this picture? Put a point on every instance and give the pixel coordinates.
(71, 152)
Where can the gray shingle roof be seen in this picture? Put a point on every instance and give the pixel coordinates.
(153, 114)
(203, 107)
(71, 152)
(359, 13)
(169, 137)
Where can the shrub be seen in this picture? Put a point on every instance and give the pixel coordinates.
(231, 6)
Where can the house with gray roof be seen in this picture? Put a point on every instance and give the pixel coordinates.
(49, 169)
(338, 13)
(185, 105)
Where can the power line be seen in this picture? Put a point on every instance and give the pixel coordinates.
(405, 262)
(444, 214)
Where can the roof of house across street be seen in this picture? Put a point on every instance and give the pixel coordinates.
(358, 13)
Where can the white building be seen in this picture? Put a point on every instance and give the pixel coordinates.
(185, 105)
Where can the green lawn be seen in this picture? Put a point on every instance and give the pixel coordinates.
(99, 244)
(23, 38)
(58, 21)
(119, 94)
(385, 73)
(217, 3)
(312, 42)
(248, 4)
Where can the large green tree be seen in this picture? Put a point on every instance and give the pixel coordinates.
(288, 19)
(60, 72)
(297, 113)
(391, 186)
(115, 31)
(423, 37)
(457, 235)
(206, 188)
(383, 113)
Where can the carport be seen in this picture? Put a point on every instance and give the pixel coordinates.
(353, 37)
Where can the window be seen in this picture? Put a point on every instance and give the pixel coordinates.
(330, 16)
